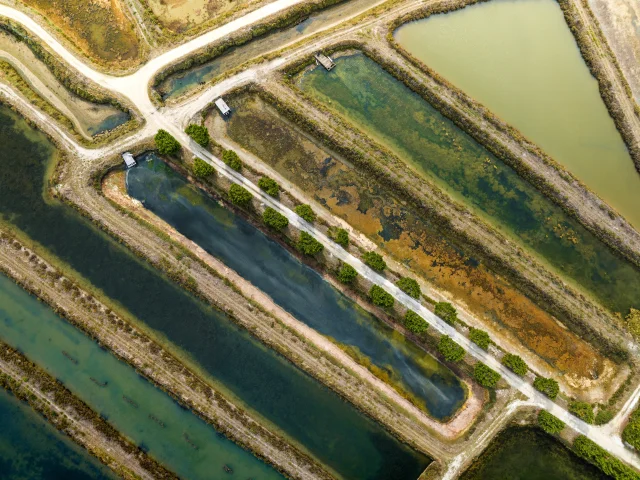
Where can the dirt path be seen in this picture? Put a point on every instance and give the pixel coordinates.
(152, 360)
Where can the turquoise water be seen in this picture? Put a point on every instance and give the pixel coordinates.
(294, 286)
(180, 83)
(314, 416)
(32, 449)
(32, 328)
(360, 90)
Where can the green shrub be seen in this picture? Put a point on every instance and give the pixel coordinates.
(409, 286)
(374, 260)
(239, 195)
(446, 312)
(603, 416)
(347, 274)
(269, 185)
(450, 350)
(479, 337)
(309, 245)
(485, 376)
(631, 433)
(380, 297)
(515, 364)
(582, 410)
(548, 386)
(274, 219)
(415, 323)
(305, 211)
(550, 423)
(342, 237)
(593, 453)
(232, 159)
(199, 133)
(166, 144)
(633, 322)
(202, 169)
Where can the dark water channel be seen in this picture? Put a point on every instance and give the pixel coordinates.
(293, 285)
(526, 453)
(330, 428)
(363, 92)
(32, 449)
(135, 407)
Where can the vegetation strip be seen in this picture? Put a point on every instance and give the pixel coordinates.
(607, 234)
(556, 303)
(148, 357)
(72, 416)
(76, 85)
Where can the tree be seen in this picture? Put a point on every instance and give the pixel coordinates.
(166, 144)
(480, 338)
(610, 465)
(306, 212)
(548, 386)
(582, 410)
(515, 364)
(633, 322)
(415, 323)
(232, 159)
(269, 185)
(485, 376)
(380, 297)
(347, 274)
(342, 237)
(631, 433)
(550, 423)
(374, 260)
(199, 133)
(274, 219)
(202, 169)
(309, 245)
(446, 312)
(450, 350)
(239, 195)
(409, 286)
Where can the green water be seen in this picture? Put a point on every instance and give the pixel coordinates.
(181, 83)
(31, 449)
(294, 286)
(315, 417)
(537, 81)
(360, 90)
(529, 454)
(31, 327)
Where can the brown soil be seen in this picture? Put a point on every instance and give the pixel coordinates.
(100, 29)
(411, 240)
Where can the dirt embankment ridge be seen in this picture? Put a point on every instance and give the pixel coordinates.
(149, 358)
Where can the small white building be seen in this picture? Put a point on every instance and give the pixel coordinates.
(129, 161)
(222, 106)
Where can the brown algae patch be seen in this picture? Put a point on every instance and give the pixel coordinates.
(411, 239)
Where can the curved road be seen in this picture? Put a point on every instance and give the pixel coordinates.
(135, 87)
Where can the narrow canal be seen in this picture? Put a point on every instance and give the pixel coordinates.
(136, 408)
(312, 415)
(32, 449)
(181, 83)
(361, 91)
(536, 81)
(293, 285)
